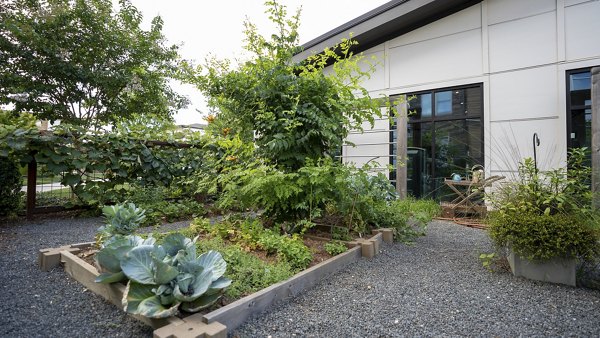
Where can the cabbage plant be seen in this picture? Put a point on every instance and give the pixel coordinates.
(163, 278)
(122, 219)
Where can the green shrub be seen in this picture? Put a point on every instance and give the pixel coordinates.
(10, 188)
(541, 236)
(408, 217)
(335, 248)
(562, 190)
(544, 215)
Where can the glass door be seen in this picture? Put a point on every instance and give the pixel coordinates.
(579, 108)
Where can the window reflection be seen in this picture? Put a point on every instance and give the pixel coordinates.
(441, 144)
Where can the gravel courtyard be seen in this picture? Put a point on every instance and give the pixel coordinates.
(435, 287)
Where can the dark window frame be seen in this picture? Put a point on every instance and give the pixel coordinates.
(433, 119)
(569, 107)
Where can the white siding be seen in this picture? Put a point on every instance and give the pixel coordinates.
(444, 58)
(518, 49)
(523, 43)
(466, 20)
(507, 10)
(512, 141)
(524, 94)
(583, 30)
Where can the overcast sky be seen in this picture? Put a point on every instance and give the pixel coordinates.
(205, 27)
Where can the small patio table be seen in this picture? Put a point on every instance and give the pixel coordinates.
(467, 191)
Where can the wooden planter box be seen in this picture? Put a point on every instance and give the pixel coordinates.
(223, 320)
(557, 270)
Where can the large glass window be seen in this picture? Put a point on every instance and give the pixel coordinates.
(444, 137)
(579, 108)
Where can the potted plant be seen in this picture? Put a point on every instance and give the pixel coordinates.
(546, 222)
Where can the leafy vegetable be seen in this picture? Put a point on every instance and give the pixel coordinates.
(163, 277)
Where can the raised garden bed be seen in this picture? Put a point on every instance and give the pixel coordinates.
(227, 318)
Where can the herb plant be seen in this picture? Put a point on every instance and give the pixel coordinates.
(335, 248)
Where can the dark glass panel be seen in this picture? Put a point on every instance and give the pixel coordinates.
(443, 103)
(580, 86)
(419, 137)
(581, 128)
(474, 101)
(457, 150)
(458, 102)
(419, 106)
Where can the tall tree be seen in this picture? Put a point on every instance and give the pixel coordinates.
(84, 62)
(292, 110)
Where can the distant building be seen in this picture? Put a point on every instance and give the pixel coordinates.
(479, 78)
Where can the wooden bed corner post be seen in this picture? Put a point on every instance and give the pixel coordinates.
(596, 137)
(31, 187)
(401, 147)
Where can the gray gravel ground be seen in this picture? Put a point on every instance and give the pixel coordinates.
(435, 287)
(51, 304)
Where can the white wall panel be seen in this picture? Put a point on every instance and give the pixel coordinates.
(361, 155)
(379, 123)
(582, 30)
(512, 141)
(377, 79)
(524, 94)
(462, 21)
(368, 137)
(445, 58)
(523, 43)
(505, 10)
(575, 2)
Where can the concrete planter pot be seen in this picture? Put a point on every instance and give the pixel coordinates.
(557, 270)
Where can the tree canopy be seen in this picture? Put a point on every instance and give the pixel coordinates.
(292, 110)
(84, 62)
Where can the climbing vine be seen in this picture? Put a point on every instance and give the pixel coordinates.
(99, 165)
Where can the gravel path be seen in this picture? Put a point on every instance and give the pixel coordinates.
(52, 304)
(435, 287)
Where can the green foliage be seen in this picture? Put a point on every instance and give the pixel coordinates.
(487, 259)
(161, 204)
(80, 156)
(85, 63)
(547, 215)
(542, 236)
(562, 190)
(220, 160)
(112, 252)
(122, 219)
(168, 276)
(408, 217)
(15, 129)
(284, 196)
(335, 248)
(288, 248)
(292, 110)
(10, 188)
(251, 234)
(249, 273)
